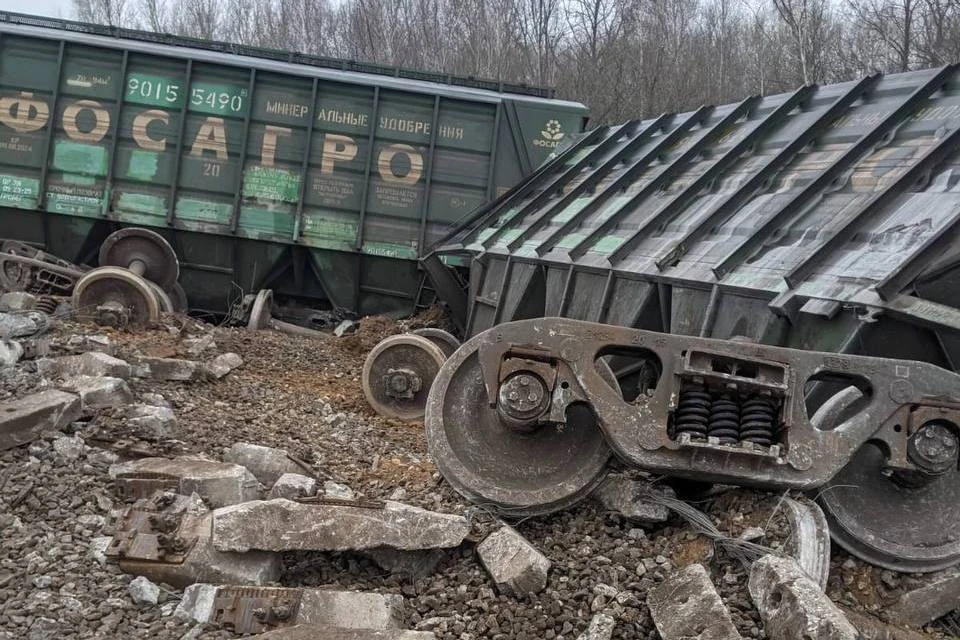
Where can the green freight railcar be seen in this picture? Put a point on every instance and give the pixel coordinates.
(322, 179)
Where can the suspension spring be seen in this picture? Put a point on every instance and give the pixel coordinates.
(693, 414)
(46, 304)
(757, 421)
(724, 420)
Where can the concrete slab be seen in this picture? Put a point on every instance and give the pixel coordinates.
(266, 463)
(25, 419)
(792, 605)
(938, 597)
(346, 609)
(626, 496)
(283, 525)
(219, 483)
(515, 565)
(99, 392)
(686, 606)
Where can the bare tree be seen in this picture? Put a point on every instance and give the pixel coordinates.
(807, 22)
(111, 12)
(892, 23)
(624, 58)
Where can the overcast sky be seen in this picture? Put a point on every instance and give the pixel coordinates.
(57, 8)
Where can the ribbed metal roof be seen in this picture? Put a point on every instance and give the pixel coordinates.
(845, 193)
(349, 71)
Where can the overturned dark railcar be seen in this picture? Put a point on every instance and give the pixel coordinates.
(822, 219)
(321, 179)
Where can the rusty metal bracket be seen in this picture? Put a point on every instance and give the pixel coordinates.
(255, 609)
(159, 529)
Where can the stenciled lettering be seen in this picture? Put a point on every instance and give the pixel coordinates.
(405, 126)
(26, 113)
(385, 164)
(140, 123)
(23, 114)
(452, 133)
(212, 136)
(286, 109)
(268, 150)
(101, 121)
(336, 148)
(343, 117)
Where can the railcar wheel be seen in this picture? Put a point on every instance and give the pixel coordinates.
(447, 342)
(260, 311)
(516, 472)
(398, 373)
(179, 298)
(144, 252)
(116, 296)
(907, 524)
(165, 301)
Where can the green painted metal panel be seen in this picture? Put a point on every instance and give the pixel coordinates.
(544, 131)
(153, 89)
(79, 158)
(118, 131)
(19, 191)
(219, 99)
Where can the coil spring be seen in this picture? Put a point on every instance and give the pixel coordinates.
(724, 420)
(693, 414)
(47, 304)
(756, 421)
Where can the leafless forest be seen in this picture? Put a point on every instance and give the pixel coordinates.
(624, 58)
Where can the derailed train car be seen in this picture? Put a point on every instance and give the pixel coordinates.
(822, 219)
(777, 282)
(321, 179)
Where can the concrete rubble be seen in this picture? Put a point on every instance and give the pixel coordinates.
(687, 605)
(142, 591)
(266, 463)
(871, 628)
(174, 369)
(938, 597)
(187, 556)
(601, 628)
(91, 363)
(292, 486)
(95, 342)
(516, 566)
(10, 353)
(283, 525)
(204, 563)
(22, 324)
(69, 448)
(338, 491)
(99, 392)
(792, 605)
(25, 419)
(312, 632)
(220, 483)
(17, 301)
(196, 347)
(344, 326)
(222, 365)
(626, 496)
(346, 609)
(151, 422)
